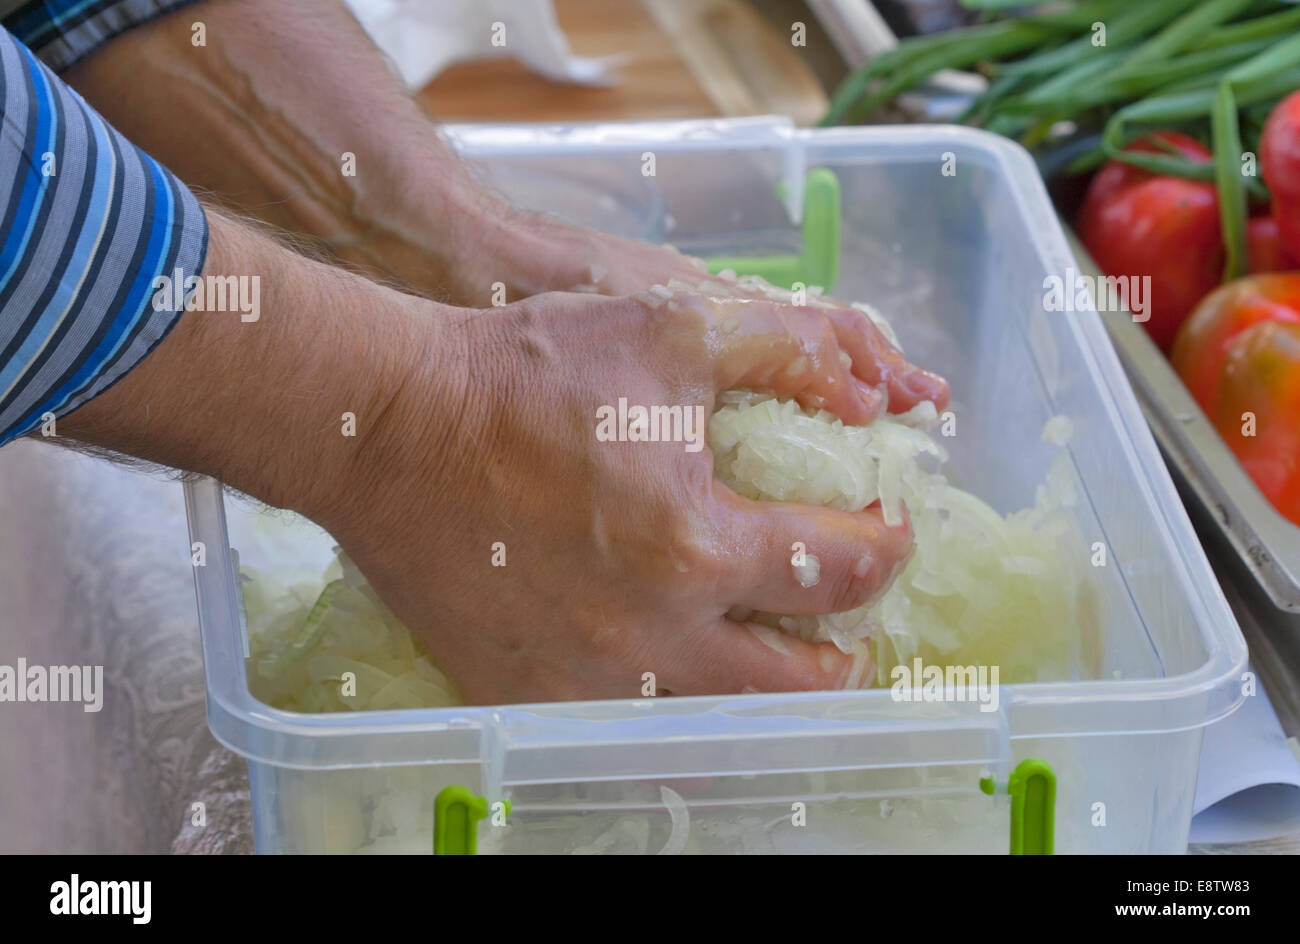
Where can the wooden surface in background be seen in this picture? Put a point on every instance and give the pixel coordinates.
(682, 59)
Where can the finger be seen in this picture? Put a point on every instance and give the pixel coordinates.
(734, 657)
(789, 352)
(876, 361)
(800, 559)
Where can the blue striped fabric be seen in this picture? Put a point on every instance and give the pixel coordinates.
(60, 32)
(87, 222)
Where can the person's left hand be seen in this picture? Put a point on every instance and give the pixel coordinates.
(531, 254)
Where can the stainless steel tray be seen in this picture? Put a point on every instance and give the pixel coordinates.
(1267, 543)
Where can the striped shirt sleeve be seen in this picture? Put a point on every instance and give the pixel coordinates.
(60, 32)
(87, 223)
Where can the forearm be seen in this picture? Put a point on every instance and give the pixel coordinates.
(260, 404)
(263, 116)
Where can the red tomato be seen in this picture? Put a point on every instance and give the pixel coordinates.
(1279, 157)
(1279, 149)
(1259, 409)
(1287, 215)
(1239, 355)
(1135, 223)
(1264, 247)
(1117, 175)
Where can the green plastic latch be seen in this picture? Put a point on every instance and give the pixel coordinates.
(456, 815)
(1033, 806)
(819, 262)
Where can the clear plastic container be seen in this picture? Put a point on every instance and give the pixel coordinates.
(958, 263)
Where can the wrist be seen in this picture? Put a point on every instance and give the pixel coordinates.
(433, 228)
(527, 253)
(418, 218)
(405, 439)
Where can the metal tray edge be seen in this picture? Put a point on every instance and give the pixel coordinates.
(1267, 543)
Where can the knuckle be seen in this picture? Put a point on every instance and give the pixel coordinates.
(700, 537)
(827, 340)
(868, 570)
(692, 551)
(805, 322)
(851, 585)
(851, 319)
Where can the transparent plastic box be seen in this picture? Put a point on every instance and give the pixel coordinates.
(958, 264)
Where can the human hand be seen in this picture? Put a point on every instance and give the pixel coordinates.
(620, 558)
(476, 427)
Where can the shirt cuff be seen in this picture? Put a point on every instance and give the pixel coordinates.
(91, 230)
(60, 32)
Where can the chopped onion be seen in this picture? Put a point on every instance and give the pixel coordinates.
(770, 638)
(681, 817)
(1058, 430)
(650, 300)
(922, 416)
(840, 638)
(1014, 591)
(808, 573)
(980, 588)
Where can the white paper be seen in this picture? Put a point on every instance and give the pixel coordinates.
(1249, 783)
(423, 37)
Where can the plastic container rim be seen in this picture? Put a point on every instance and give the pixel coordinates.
(231, 706)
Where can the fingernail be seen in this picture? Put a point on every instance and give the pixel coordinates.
(924, 385)
(872, 398)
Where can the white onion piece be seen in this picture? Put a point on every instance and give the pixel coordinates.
(922, 416)
(809, 572)
(1058, 430)
(770, 638)
(840, 638)
(681, 816)
(980, 588)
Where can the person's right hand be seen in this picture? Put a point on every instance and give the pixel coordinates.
(428, 440)
(620, 558)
